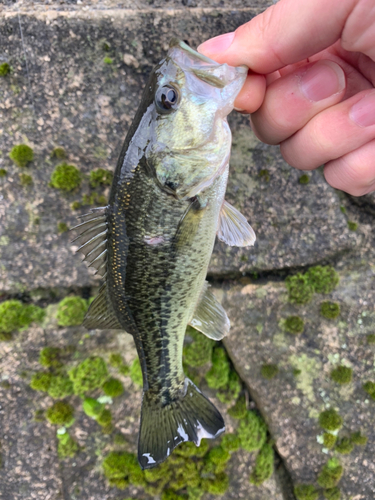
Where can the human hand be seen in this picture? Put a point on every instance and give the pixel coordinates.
(311, 84)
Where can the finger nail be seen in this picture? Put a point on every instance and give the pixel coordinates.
(323, 79)
(217, 44)
(363, 111)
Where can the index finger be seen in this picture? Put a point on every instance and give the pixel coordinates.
(285, 33)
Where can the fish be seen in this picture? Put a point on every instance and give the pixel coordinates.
(152, 243)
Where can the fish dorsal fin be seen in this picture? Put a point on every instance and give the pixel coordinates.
(100, 314)
(93, 239)
(210, 317)
(234, 229)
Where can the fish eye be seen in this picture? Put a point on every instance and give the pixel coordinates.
(166, 99)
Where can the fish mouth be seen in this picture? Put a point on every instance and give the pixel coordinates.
(206, 69)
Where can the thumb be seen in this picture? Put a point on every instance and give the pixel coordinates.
(285, 33)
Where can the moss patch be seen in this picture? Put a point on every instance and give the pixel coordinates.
(304, 179)
(358, 439)
(100, 177)
(344, 446)
(3, 172)
(50, 356)
(252, 432)
(4, 69)
(88, 375)
(136, 372)
(330, 474)
(306, 492)
(329, 440)
(269, 371)
(329, 310)
(60, 387)
(67, 447)
(332, 493)
(342, 375)
(353, 226)
(323, 279)
(294, 325)
(264, 465)
(58, 153)
(299, 289)
(21, 155)
(25, 180)
(369, 387)
(15, 315)
(330, 420)
(199, 352)
(66, 177)
(71, 311)
(218, 375)
(41, 381)
(60, 413)
(239, 410)
(113, 387)
(62, 227)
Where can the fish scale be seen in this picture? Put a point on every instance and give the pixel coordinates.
(153, 241)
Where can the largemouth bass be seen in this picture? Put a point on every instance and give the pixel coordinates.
(153, 241)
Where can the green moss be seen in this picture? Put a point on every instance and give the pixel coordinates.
(92, 408)
(94, 199)
(113, 388)
(330, 474)
(100, 177)
(264, 175)
(171, 495)
(50, 356)
(105, 418)
(329, 440)
(58, 153)
(67, 447)
(124, 370)
(189, 449)
(60, 413)
(62, 227)
(344, 446)
(3, 172)
(21, 155)
(121, 469)
(5, 384)
(296, 372)
(252, 432)
(108, 60)
(41, 381)
(116, 360)
(343, 209)
(306, 492)
(342, 375)
(228, 393)
(264, 465)
(76, 205)
(71, 311)
(218, 455)
(60, 387)
(120, 440)
(66, 177)
(369, 387)
(39, 416)
(323, 279)
(218, 375)
(370, 338)
(358, 439)
(304, 179)
(332, 493)
(199, 352)
(239, 410)
(294, 325)
(217, 486)
(329, 310)
(14, 315)
(353, 226)
(269, 371)
(330, 420)
(89, 375)
(4, 69)
(231, 442)
(299, 288)
(5, 336)
(25, 180)
(136, 372)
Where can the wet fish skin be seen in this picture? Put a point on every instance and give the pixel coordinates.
(165, 207)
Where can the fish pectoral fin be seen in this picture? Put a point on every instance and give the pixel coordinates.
(210, 317)
(100, 314)
(189, 223)
(93, 239)
(234, 229)
(191, 417)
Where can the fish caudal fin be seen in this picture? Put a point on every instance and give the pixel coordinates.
(191, 418)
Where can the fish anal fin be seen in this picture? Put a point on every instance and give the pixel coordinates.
(189, 418)
(210, 317)
(100, 314)
(234, 230)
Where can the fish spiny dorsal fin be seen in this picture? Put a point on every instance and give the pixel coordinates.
(234, 229)
(209, 316)
(93, 239)
(100, 314)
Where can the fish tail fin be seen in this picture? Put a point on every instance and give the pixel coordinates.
(190, 418)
